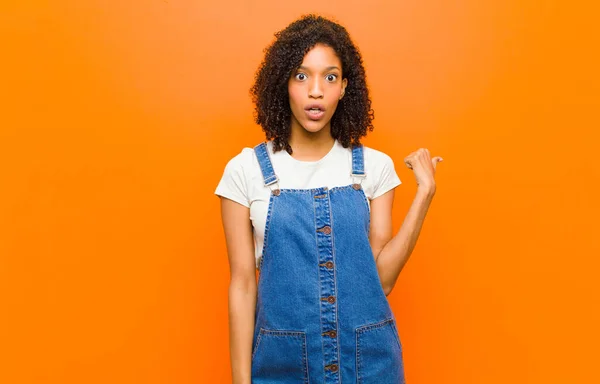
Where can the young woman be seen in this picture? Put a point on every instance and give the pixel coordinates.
(310, 208)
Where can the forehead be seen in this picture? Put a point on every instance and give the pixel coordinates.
(321, 56)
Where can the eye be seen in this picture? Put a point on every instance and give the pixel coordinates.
(331, 77)
(300, 76)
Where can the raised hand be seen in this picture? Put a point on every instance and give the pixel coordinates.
(423, 166)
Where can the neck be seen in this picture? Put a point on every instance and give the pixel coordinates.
(310, 146)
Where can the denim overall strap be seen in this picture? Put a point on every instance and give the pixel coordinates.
(358, 166)
(358, 163)
(266, 166)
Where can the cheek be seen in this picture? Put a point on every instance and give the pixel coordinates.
(333, 98)
(294, 94)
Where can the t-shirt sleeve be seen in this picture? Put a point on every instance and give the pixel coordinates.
(388, 178)
(233, 184)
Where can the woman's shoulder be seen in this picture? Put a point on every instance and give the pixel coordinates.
(380, 170)
(241, 159)
(237, 177)
(244, 164)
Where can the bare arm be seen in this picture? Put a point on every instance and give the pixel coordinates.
(242, 287)
(391, 254)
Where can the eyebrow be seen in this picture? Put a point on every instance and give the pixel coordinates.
(327, 69)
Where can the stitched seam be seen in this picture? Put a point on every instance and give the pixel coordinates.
(358, 163)
(257, 343)
(337, 319)
(313, 190)
(285, 333)
(358, 362)
(305, 360)
(364, 199)
(396, 335)
(282, 332)
(319, 293)
(368, 327)
(360, 331)
(264, 153)
(263, 161)
(265, 240)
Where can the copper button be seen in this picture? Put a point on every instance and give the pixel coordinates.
(356, 186)
(276, 192)
(331, 334)
(326, 230)
(331, 299)
(332, 367)
(329, 264)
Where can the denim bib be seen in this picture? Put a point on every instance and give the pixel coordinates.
(321, 313)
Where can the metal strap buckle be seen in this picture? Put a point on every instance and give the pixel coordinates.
(274, 186)
(361, 177)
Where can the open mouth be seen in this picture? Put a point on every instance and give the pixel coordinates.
(314, 112)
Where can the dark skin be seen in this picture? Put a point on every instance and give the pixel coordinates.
(318, 80)
(270, 92)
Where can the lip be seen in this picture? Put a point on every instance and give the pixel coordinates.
(312, 115)
(315, 105)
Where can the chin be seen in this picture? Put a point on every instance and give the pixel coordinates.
(314, 126)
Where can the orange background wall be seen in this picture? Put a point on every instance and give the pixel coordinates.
(117, 119)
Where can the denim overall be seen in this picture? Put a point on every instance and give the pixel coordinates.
(321, 313)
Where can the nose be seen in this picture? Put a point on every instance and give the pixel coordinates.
(315, 89)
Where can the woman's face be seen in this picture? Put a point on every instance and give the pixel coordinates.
(315, 89)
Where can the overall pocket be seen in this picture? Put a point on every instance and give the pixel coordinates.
(379, 354)
(279, 356)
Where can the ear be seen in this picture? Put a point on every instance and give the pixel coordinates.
(344, 85)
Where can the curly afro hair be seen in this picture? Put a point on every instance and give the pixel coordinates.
(353, 116)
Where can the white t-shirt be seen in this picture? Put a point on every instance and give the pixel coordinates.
(243, 182)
